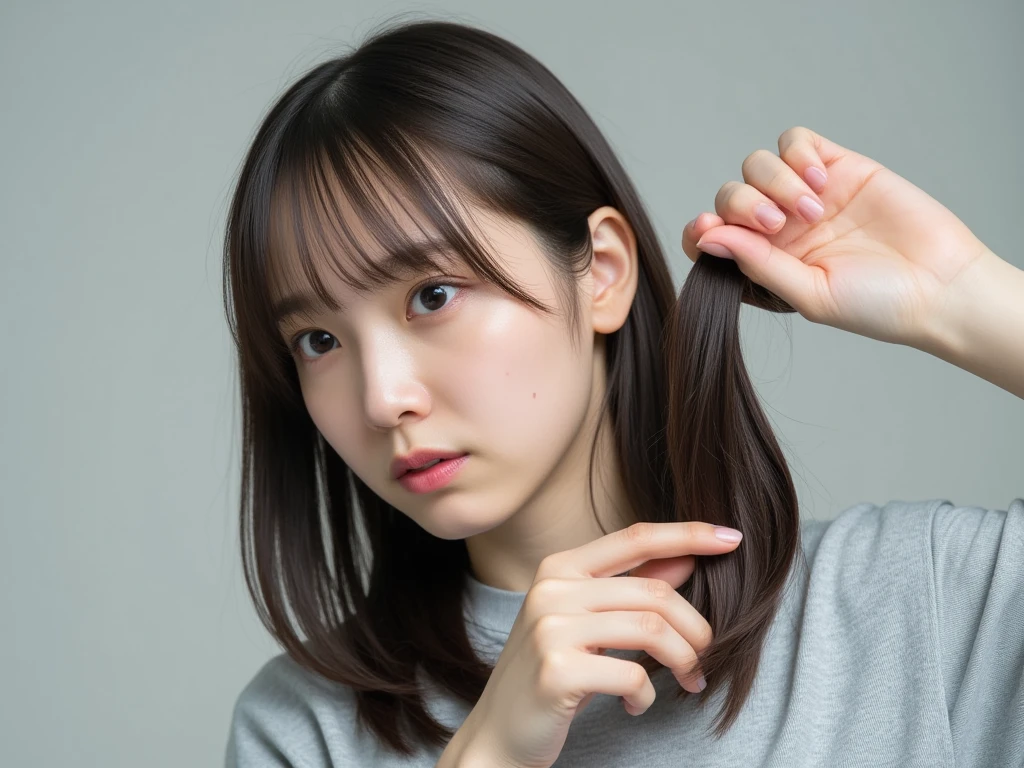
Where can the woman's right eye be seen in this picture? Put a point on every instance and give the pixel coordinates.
(313, 345)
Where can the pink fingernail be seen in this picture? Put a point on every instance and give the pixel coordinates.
(727, 534)
(769, 217)
(816, 178)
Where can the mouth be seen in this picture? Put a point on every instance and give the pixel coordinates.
(421, 460)
(424, 468)
(433, 475)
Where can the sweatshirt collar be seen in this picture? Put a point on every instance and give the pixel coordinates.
(490, 607)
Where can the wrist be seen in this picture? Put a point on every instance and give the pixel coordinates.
(463, 752)
(980, 326)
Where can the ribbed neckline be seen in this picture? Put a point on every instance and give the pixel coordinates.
(490, 607)
(496, 609)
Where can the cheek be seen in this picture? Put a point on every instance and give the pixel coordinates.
(331, 412)
(521, 380)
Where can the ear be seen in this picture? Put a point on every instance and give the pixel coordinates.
(614, 270)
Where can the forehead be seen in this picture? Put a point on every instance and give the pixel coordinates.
(364, 234)
(317, 227)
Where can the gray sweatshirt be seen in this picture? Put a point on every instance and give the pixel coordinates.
(901, 645)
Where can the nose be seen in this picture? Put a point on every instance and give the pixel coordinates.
(391, 388)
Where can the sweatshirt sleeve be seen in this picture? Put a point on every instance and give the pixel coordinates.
(978, 568)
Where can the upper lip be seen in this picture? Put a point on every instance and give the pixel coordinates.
(402, 464)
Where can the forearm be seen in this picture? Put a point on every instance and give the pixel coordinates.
(981, 327)
(452, 755)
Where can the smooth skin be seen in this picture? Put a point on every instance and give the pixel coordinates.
(884, 260)
(552, 664)
(878, 257)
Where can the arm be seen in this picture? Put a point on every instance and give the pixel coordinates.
(981, 327)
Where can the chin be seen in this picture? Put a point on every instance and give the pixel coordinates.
(457, 518)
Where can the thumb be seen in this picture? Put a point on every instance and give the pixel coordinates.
(781, 273)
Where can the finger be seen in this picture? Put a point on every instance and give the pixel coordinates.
(804, 150)
(599, 674)
(632, 593)
(674, 570)
(693, 231)
(744, 205)
(804, 287)
(638, 595)
(770, 174)
(637, 630)
(586, 699)
(631, 546)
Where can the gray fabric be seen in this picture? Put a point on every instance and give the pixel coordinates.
(901, 645)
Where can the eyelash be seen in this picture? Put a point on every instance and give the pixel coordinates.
(294, 345)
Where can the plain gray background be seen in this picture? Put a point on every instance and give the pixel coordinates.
(127, 633)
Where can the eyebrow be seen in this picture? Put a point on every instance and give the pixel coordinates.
(396, 266)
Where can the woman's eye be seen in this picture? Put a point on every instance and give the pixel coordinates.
(432, 297)
(314, 344)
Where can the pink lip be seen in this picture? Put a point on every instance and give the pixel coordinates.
(436, 477)
(418, 458)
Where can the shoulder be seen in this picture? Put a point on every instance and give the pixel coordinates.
(287, 715)
(935, 527)
(871, 552)
(282, 681)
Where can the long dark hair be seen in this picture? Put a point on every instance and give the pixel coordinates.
(349, 586)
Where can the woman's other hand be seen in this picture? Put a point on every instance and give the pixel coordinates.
(879, 259)
(553, 662)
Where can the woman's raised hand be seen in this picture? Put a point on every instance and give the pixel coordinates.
(552, 663)
(877, 260)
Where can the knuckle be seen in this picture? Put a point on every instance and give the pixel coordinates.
(658, 588)
(792, 134)
(751, 160)
(690, 663)
(636, 676)
(652, 623)
(545, 589)
(534, 602)
(704, 635)
(778, 178)
(546, 630)
(552, 672)
(640, 533)
(725, 192)
(793, 139)
(548, 566)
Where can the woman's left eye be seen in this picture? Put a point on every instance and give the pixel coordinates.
(433, 297)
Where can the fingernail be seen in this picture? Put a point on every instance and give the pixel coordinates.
(716, 250)
(693, 223)
(770, 217)
(727, 534)
(702, 683)
(809, 209)
(816, 178)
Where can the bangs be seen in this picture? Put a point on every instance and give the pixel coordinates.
(372, 216)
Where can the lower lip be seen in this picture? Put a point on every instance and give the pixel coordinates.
(438, 476)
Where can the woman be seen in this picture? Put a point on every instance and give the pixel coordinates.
(469, 390)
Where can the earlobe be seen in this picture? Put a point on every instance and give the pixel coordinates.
(614, 269)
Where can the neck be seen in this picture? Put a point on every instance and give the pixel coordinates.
(559, 516)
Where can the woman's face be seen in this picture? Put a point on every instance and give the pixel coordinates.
(453, 363)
